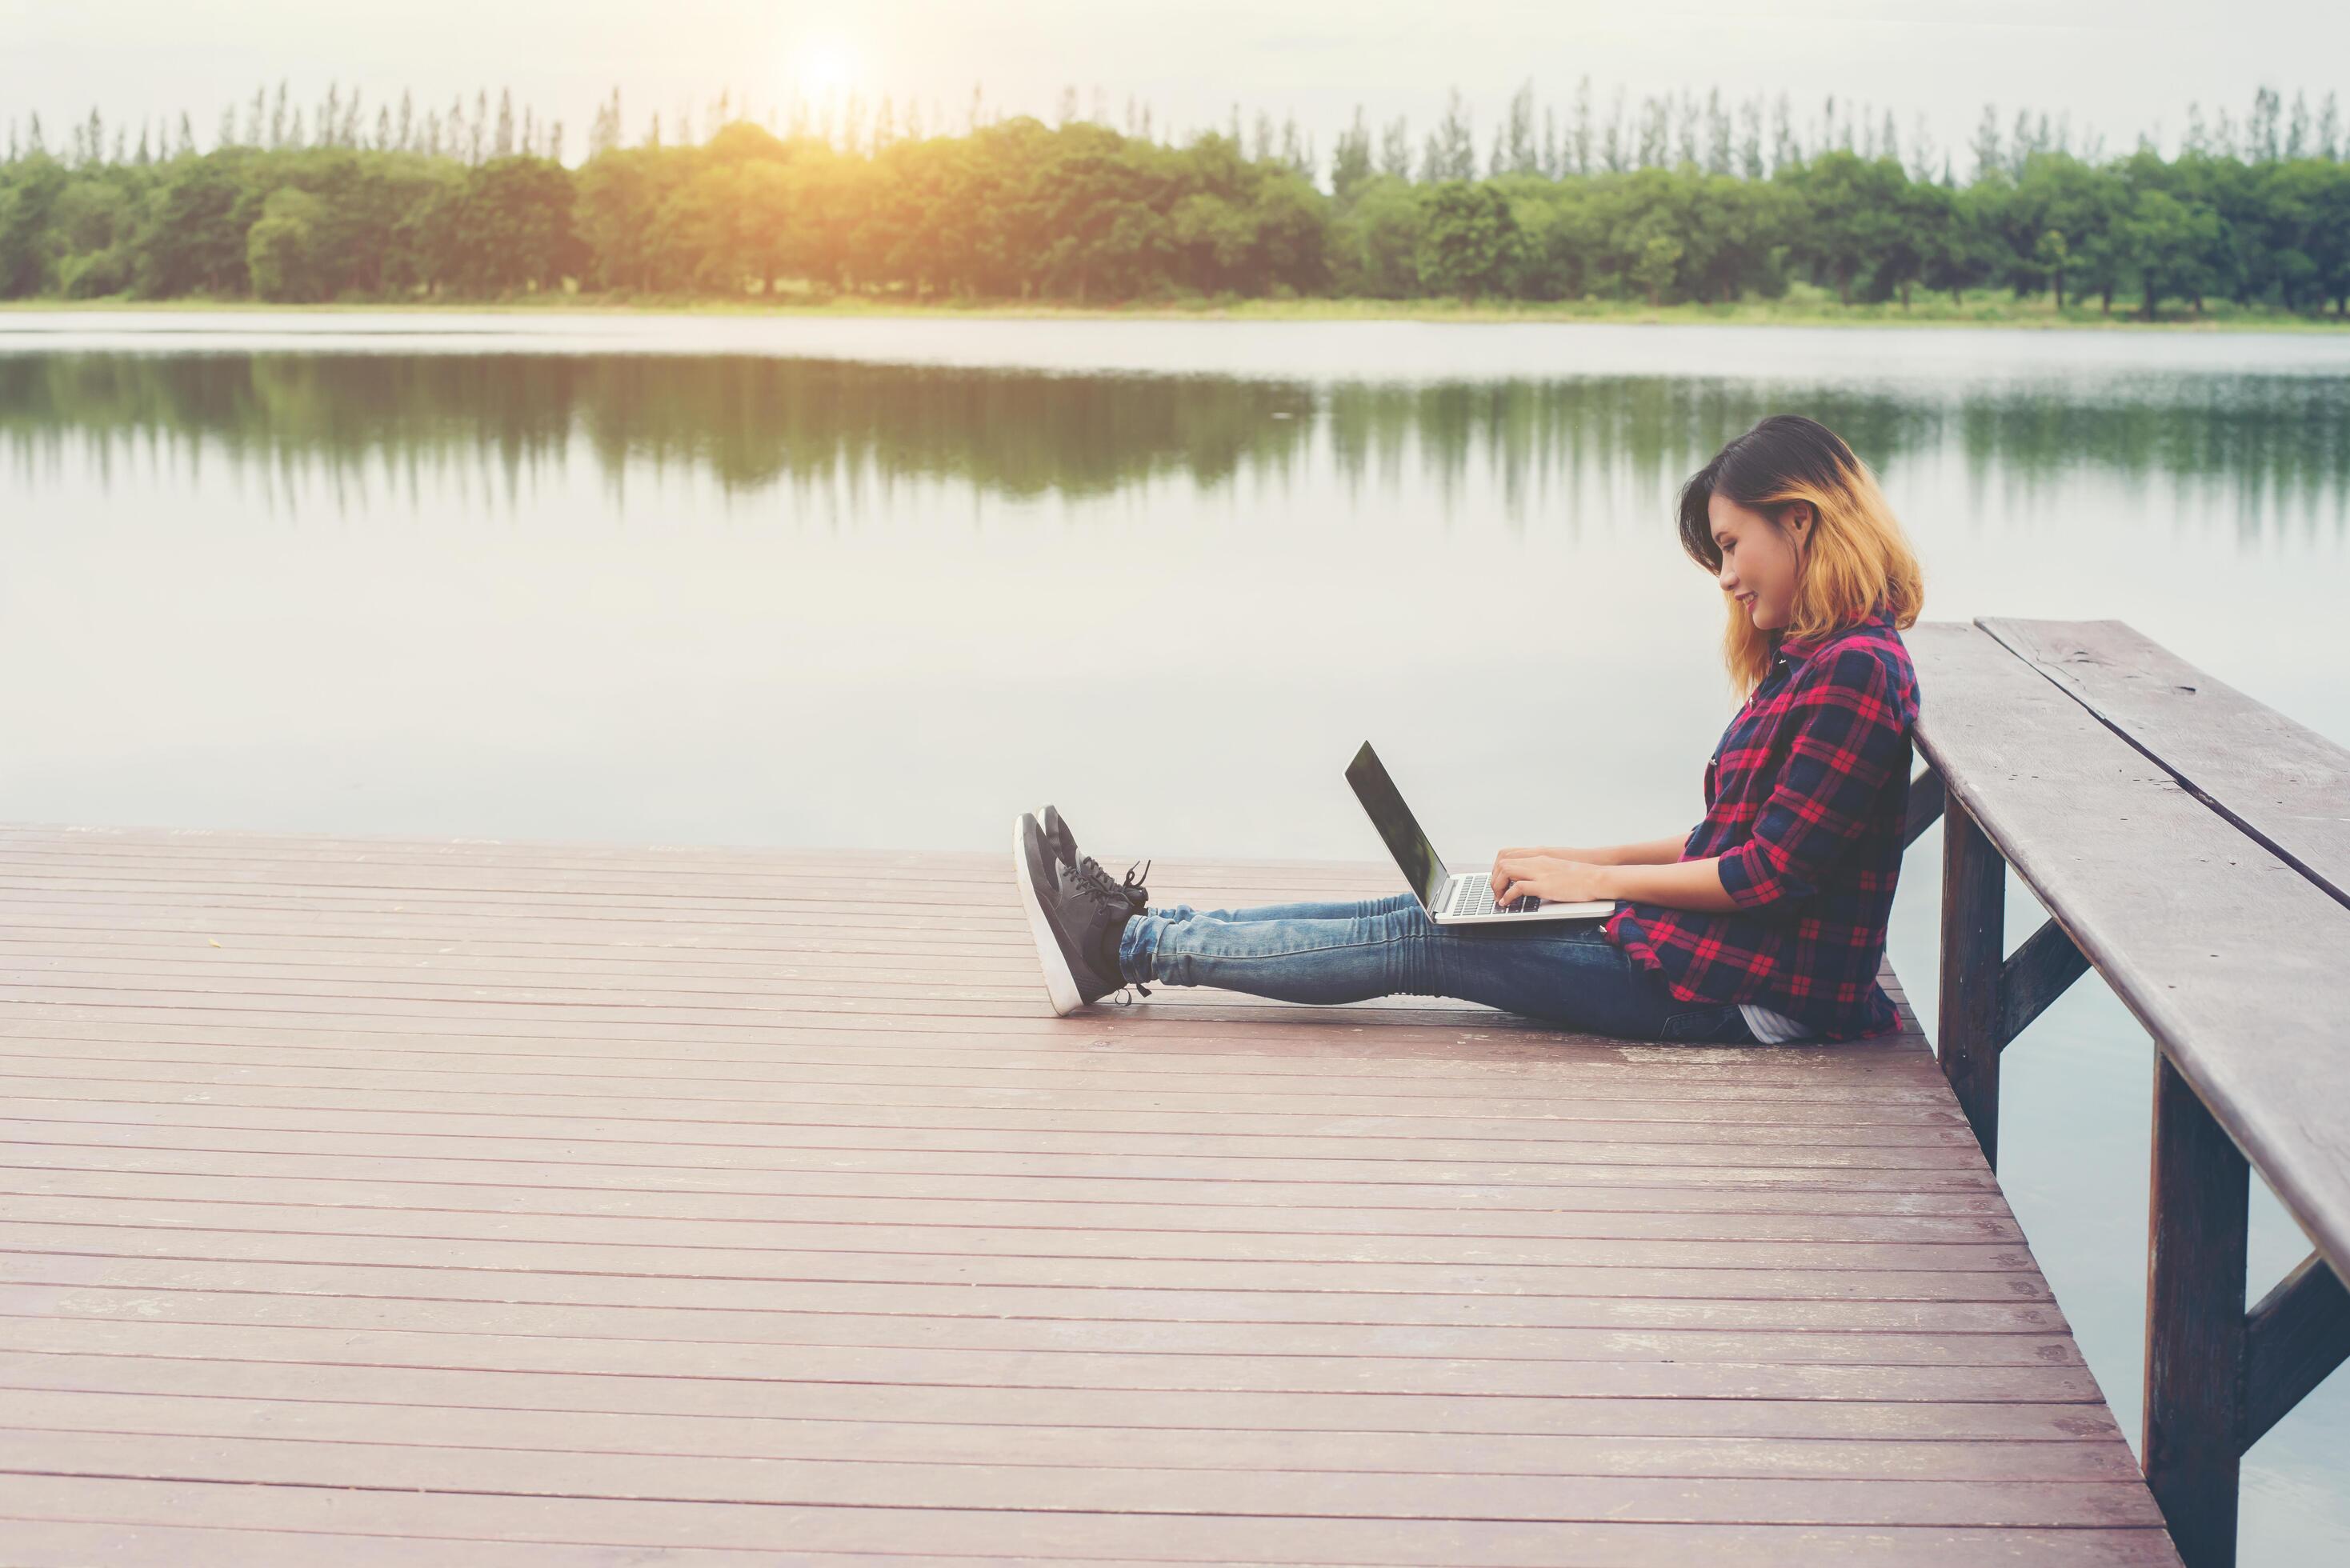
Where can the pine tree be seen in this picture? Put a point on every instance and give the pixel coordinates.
(1350, 162)
(1988, 156)
(1522, 155)
(2261, 127)
(1786, 152)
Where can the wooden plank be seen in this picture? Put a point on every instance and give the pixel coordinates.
(1928, 801)
(1051, 1337)
(2230, 958)
(2296, 1335)
(1092, 1488)
(1677, 1221)
(2034, 975)
(2277, 780)
(693, 1399)
(480, 1201)
(727, 1297)
(2196, 1233)
(1967, 1040)
(784, 1438)
(361, 1515)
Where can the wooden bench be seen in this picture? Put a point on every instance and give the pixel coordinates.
(2193, 846)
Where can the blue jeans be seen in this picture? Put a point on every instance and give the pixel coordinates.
(1567, 972)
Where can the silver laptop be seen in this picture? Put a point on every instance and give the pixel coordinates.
(1463, 899)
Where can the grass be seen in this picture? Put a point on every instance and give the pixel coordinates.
(1802, 305)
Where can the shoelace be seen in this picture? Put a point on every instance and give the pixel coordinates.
(1091, 873)
(1094, 874)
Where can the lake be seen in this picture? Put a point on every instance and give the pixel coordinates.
(886, 582)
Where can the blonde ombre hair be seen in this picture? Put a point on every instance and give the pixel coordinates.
(1857, 562)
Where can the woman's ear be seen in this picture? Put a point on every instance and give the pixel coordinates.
(1799, 518)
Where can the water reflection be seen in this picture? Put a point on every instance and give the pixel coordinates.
(2256, 450)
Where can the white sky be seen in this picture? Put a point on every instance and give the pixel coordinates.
(2122, 67)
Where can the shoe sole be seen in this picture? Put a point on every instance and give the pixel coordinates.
(1060, 985)
(1051, 842)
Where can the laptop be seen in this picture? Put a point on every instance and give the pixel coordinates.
(1462, 899)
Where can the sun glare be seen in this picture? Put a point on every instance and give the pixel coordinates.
(826, 66)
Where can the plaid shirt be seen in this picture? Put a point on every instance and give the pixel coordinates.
(1805, 798)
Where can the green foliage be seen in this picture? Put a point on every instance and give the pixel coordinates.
(1468, 239)
(1018, 210)
(282, 248)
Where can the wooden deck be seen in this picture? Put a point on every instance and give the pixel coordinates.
(367, 1200)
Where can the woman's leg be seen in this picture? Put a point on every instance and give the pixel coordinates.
(1328, 909)
(1568, 974)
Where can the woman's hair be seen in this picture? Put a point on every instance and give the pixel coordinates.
(1857, 560)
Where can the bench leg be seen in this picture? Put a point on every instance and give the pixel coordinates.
(2193, 1441)
(1974, 935)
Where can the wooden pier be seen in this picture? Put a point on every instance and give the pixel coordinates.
(369, 1200)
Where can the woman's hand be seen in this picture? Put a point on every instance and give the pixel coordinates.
(1542, 874)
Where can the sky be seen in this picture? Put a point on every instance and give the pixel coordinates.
(2121, 68)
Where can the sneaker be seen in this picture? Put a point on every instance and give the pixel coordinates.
(1063, 844)
(1076, 916)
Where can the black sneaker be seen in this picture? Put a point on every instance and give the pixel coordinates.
(1076, 916)
(1065, 849)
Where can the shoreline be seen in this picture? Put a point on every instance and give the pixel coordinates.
(1979, 314)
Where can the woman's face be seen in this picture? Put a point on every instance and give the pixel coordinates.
(1759, 557)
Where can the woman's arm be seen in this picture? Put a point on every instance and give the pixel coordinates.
(1680, 884)
(1655, 852)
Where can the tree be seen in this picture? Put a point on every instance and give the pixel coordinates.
(29, 243)
(507, 225)
(1469, 243)
(279, 247)
(1850, 209)
(2168, 245)
(1375, 243)
(1350, 162)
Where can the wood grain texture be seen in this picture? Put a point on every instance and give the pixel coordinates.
(2278, 780)
(395, 1202)
(2230, 957)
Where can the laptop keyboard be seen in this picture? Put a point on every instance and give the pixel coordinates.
(1474, 896)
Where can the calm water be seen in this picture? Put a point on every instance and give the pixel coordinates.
(884, 583)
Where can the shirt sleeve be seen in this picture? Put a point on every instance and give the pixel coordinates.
(1847, 740)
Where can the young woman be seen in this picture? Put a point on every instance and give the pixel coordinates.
(1765, 924)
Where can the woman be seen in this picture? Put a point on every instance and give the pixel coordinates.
(1765, 924)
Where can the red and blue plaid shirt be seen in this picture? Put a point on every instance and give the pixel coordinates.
(1805, 799)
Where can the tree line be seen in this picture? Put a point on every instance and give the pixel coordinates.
(1683, 200)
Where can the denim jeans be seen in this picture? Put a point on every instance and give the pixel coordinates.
(1565, 972)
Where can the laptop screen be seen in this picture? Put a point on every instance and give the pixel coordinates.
(1409, 846)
